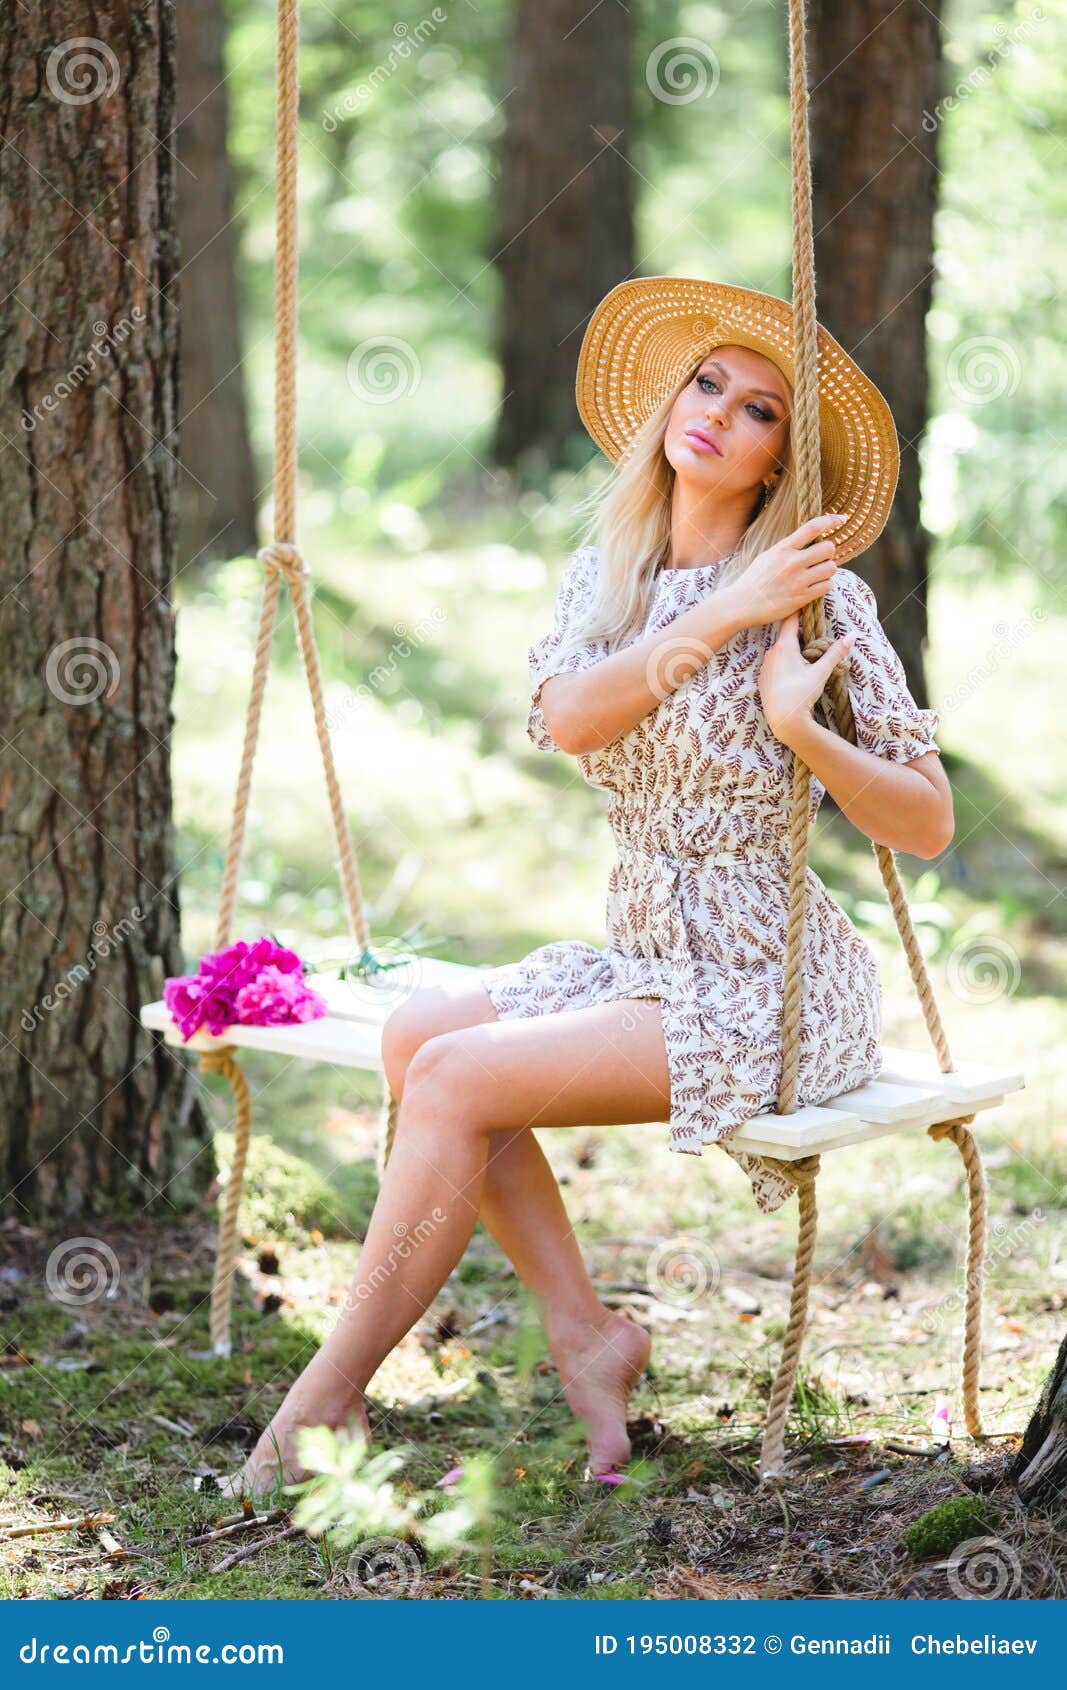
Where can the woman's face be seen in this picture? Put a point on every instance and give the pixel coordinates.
(729, 427)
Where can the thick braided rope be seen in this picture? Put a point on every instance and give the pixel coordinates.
(805, 437)
(812, 616)
(281, 558)
(221, 1061)
(971, 1359)
(386, 1127)
(772, 1452)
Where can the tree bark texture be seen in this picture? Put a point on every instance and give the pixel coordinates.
(93, 1110)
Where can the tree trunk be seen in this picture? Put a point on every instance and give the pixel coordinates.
(565, 233)
(217, 501)
(1040, 1468)
(875, 68)
(92, 1107)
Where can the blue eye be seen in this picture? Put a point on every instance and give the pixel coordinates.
(704, 382)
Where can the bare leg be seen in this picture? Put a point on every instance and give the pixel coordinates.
(598, 1066)
(599, 1354)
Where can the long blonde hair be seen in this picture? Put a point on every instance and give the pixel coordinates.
(629, 524)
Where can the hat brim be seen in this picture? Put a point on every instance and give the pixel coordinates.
(646, 335)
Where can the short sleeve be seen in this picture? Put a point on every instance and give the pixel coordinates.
(888, 720)
(575, 593)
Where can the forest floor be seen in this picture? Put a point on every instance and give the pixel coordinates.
(113, 1415)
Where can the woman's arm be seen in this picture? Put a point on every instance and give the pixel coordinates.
(587, 710)
(907, 806)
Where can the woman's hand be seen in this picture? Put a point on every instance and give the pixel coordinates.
(789, 684)
(787, 575)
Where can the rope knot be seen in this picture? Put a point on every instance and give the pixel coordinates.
(282, 556)
(950, 1129)
(815, 648)
(216, 1061)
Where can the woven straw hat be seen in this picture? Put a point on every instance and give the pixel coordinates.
(647, 334)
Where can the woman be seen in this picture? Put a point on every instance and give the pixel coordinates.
(674, 674)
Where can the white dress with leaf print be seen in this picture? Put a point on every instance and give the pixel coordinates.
(699, 795)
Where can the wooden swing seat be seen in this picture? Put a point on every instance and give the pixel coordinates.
(909, 1091)
(912, 1090)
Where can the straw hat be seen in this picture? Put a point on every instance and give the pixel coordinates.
(646, 335)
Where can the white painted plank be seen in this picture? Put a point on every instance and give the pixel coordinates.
(346, 1044)
(752, 1135)
(970, 1082)
(889, 1105)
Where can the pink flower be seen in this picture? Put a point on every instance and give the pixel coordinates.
(450, 1478)
(212, 998)
(275, 998)
(941, 1421)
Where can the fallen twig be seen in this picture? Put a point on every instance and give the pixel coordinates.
(88, 1522)
(178, 1426)
(254, 1548)
(233, 1526)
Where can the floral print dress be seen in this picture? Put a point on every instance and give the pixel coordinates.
(698, 800)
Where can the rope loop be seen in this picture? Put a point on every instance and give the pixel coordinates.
(283, 557)
(815, 648)
(216, 1061)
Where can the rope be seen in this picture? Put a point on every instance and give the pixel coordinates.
(281, 559)
(387, 1120)
(772, 1452)
(221, 1061)
(814, 642)
(976, 1244)
(813, 616)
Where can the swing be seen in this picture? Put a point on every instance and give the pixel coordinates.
(912, 1090)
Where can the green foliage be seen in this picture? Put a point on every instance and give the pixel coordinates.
(940, 1529)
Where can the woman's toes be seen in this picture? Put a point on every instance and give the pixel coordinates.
(598, 1370)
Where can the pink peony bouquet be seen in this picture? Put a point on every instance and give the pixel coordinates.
(259, 985)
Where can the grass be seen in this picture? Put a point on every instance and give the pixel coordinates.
(113, 1404)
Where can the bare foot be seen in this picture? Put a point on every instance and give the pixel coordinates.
(599, 1365)
(274, 1462)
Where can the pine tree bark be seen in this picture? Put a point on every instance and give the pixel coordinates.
(217, 503)
(1040, 1467)
(875, 67)
(565, 213)
(93, 1110)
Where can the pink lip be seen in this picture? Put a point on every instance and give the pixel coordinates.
(700, 438)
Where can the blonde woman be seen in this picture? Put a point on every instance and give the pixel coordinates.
(673, 673)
